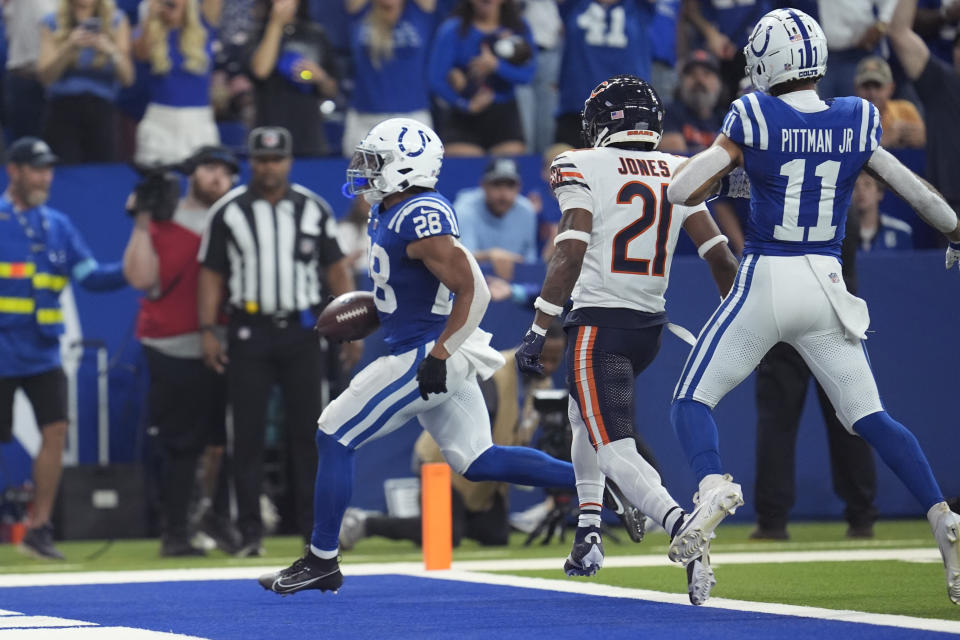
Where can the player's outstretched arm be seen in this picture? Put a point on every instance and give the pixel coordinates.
(713, 247)
(919, 194)
(456, 268)
(564, 267)
(698, 178)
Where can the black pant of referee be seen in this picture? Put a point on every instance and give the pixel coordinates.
(782, 380)
(263, 351)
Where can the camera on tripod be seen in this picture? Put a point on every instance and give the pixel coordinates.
(555, 435)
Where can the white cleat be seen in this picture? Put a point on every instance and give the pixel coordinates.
(713, 506)
(700, 578)
(946, 529)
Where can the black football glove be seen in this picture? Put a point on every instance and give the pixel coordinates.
(432, 376)
(528, 355)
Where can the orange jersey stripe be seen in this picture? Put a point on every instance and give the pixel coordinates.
(571, 174)
(580, 393)
(593, 391)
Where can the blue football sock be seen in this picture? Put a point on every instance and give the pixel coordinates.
(899, 449)
(331, 492)
(697, 432)
(521, 465)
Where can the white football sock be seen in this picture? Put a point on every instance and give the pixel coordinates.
(590, 480)
(638, 480)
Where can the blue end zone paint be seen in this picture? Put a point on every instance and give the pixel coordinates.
(407, 607)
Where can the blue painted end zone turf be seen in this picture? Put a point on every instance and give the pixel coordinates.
(389, 607)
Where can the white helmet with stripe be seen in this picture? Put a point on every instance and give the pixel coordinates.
(395, 155)
(786, 44)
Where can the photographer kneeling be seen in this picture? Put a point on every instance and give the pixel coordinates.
(187, 400)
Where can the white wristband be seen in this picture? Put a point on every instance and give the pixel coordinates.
(547, 307)
(711, 243)
(537, 329)
(571, 234)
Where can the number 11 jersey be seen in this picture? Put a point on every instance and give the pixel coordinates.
(802, 157)
(635, 228)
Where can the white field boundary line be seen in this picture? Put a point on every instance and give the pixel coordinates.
(470, 572)
(415, 568)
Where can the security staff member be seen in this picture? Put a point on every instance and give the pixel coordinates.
(40, 252)
(273, 244)
(187, 400)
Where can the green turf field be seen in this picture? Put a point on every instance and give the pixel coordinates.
(908, 588)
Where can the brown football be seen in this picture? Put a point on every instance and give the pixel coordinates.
(351, 316)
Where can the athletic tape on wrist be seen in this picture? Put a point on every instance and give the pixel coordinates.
(571, 234)
(547, 307)
(537, 329)
(711, 243)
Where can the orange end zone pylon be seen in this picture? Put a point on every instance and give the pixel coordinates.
(437, 516)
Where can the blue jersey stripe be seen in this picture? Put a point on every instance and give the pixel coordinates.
(806, 37)
(698, 375)
(372, 404)
(731, 298)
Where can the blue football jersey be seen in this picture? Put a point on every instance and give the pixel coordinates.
(802, 167)
(413, 305)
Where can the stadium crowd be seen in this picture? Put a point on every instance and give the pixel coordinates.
(159, 82)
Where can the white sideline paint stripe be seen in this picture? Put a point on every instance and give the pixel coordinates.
(566, 586)
(4, 612)
(414, 568)
(14, 622)
(93, 633)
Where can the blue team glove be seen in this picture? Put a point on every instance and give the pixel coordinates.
(528, 355)
(953, 254)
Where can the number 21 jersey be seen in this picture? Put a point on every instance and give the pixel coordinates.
(802, 157)
(634, 233)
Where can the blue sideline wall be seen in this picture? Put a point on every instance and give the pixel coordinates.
(914, 305)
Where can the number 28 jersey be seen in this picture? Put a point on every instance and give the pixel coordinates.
(635, 227)
(412, 304)
(802, 166)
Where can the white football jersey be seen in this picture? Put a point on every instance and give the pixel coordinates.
(635, 227)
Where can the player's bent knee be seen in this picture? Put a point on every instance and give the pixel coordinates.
(621, 461)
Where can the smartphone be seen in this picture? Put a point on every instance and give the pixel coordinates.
(91, 24)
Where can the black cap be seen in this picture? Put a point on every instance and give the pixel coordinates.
(270, 141)
(702, 58)
(211, 154)
(32, 151)
(501, 170)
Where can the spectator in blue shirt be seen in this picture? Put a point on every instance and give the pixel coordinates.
(176, 38)
(497, 224)
(936, 22)
(878, 231)
(389, 42)
(602, 38)
(723, 28)
(663, 45)
(84, 59)
(478, 55)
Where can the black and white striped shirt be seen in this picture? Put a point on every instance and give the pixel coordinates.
(272, 256)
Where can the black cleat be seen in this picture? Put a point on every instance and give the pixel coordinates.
(308, 572)
(38, 542)
(632, 518)
(178, 546)
(586, 557)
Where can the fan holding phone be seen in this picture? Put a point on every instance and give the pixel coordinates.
(84, 60)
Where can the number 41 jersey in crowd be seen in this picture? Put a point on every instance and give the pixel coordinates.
(635, 227)
(802, 156)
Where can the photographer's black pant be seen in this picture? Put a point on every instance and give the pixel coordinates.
(782, 379)
(262, 354)
(187, 406)
(489, 528)
(81, 128)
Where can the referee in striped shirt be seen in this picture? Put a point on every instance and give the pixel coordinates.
(271, 247)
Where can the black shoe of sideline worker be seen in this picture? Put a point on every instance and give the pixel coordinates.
(179, 547)
(38, 542)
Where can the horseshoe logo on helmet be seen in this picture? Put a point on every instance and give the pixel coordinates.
(766, 41)
(412, 154)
